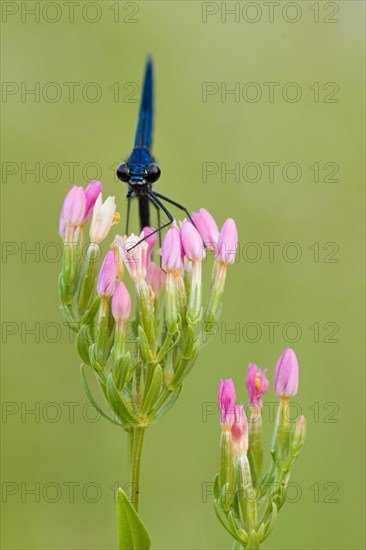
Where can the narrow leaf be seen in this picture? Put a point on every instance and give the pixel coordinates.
(89, 395)
(132, 534)
(270, 525)
(221, 519)
(241, 535)
(169, 403)
(82, 345)
(91, 312)
(118, 404)
(216, 487)
(154, 390)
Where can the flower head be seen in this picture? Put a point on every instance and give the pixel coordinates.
(121, 304)
(135, 257)
(227, 243)
(239, 431)
(172, 251)
(73, 209)
(227, 402)
(155, 277)
(91, 194)
(257, 384)
(191, 242)
(103, 218)
(107, 275)
(286, 379)
(207, 228)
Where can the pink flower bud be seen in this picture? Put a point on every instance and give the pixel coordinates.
(207, 228)
(151, 241)
(286, 379)
(73, 209)
(192, 243)
(121, 303)
(107, 275)
(227, 243)
(135, 257)
(155, 277)
(239, 431)
(91, 194)
(257, 384)
(171, 251)
(227, 402)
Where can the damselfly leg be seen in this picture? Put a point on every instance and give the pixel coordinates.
(128, 213)
(170, 201)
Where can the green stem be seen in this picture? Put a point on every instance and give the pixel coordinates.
(136, 444)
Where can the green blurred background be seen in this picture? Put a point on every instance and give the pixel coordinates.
(54, 450)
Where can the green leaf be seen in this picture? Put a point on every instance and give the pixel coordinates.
(219, 513)
(154, 390)
(89, 315)
(184, 367)
(168, 404)
(167, 346)
(82, 344)
(145, 346)
(216, 487)
(118, 404)
(93, 359)
(89, 395)
(121, 367)
(270, 525)
(240, 534)
(132, 533)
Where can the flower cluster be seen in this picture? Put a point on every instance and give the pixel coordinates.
(169, 322)
(246, 502)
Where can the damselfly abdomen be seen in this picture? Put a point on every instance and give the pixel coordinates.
(141, 171)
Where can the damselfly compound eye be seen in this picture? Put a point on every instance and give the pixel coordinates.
(153, 172)
(123, 172)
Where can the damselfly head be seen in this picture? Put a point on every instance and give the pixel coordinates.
(138, 174)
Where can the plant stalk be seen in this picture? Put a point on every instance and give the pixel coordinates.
(136, 444)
